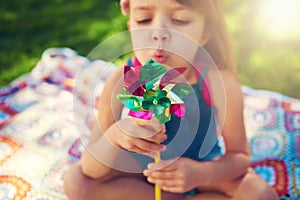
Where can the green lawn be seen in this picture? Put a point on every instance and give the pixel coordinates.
(28, 27)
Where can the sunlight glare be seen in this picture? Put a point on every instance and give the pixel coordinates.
(280, 18)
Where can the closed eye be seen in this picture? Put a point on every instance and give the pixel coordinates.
(180, 22)
(144, 21)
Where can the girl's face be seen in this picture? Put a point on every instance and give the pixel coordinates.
(168, 16)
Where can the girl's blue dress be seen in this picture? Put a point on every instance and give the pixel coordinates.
(193, 137)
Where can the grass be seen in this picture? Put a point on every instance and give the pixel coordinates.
(29, 27)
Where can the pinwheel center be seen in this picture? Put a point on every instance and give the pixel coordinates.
(155, 101)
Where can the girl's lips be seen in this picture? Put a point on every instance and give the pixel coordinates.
(160, 57)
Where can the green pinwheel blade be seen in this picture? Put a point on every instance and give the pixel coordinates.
(147, 105)
(130, 101)
(157, 109)
(152, 72)
(153, 98)
(161, 94)
(149, 95)
(160, 113)
(162, 118)
(182, 90)
(165, 102)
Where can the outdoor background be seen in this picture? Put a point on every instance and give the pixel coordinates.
(266, 36)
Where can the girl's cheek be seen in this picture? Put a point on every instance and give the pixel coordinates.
(143, 56)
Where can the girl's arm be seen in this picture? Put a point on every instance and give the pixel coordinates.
(109, 111)
(230, 116)
(104, 147)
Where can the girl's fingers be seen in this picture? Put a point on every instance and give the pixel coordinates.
(156, 125)
(159, 137)
(141, 146)
(139, 139)
(172, 189)
(159, 175)
(164, 183)
(152, 155)
(163, 165)
(149, 146)
(129, 128)
(174, 184)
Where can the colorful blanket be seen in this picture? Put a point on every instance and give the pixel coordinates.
(40, 139)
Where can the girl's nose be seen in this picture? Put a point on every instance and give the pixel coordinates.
(160, 35)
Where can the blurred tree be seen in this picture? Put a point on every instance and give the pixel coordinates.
(28, 27)
(264, 62)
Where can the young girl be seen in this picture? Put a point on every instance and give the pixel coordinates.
(105, 166)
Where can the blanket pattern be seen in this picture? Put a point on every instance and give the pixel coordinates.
(39, 139)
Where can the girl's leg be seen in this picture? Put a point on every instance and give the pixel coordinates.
(117, 186)
(210, 195)
(253, 186)
(248, 187)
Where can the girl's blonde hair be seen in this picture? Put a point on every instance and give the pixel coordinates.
(219, 45)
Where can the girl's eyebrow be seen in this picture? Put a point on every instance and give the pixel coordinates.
(148, 7)
(178, 8)
(142, 8)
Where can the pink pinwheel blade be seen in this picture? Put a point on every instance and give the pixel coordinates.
(132, 82)
(178, 110)
(146, 115)
(170, 75)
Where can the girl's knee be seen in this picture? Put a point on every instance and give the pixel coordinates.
(254, 187)
(265, 193)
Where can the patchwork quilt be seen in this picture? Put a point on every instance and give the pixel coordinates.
(40, 138)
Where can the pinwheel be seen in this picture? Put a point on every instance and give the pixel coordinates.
(151, 92)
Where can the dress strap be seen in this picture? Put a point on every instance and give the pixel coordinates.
(134, 62)
(202, 75)
(129, 62)
(204, 85)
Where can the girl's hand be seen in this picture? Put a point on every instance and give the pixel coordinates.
(177, 177)
(143, 140)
